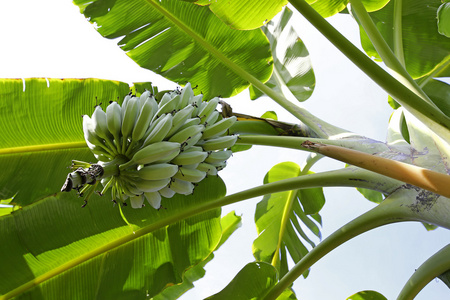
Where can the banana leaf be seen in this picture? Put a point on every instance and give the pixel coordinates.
(248, 14)
(424, 48)
(329, 8)
(278, 217)
(230, 223)
(252, 282)
(41, 131)
(183, 42)
(292, 65)
(53, 248)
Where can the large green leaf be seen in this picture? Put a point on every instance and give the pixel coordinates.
(328, 8)
(182, 42)
(424, 48)
(443, 16)
(53, 249)
(293, 67)
(439, 93)
(229, 224)
(278, 217)
(247, 14)
(41, 131)
(252, 282)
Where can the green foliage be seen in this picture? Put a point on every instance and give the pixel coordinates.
(443, 16)
(229, 223)
(241, 14)
(252, 282)
(172, 38)
(37, 156)
(292, 65)
(367, 295)
(119, 256)
(278, 217)
(424, 48)
(51, 248)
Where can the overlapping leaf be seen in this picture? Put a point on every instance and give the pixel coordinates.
(229, 224)
(292, 64)
(91, 252)
(252, 282)
(329, 8)
(443, 16)
(247, 14)
(279, 217)
(183, 42)
(41, 131)
(424, 48)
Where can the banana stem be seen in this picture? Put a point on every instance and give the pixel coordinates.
(424, 178)
(386, 54)
(431, 268)
(382, 214)
(427, 179)
(421, 109)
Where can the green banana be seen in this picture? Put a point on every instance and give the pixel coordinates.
(196, 100)
(191, 166)
(128, 121)
(191, 141)
(189, 157)
(190, 122)
(186, 94)
(137, 201)
(184, 135)
(170, 106)
(89, 132)
(207, 109)
(218, 156)
(100, 153)
(191, 175)
(114, 120)
(143, 98)
(92, 139)
(100, 124)
(218, 128)
(125, 103)
(220, 165)
(172, 143)
(157, 171)
(153, 153)
(154, 199)
(160, 130)
(208, 168)
(212, 118)
(181, 187)
(133, 189)
(168, 158)
(166, 192)
(143, 121)
(165, 98)
(180, 118)
(148, 186)
(219, 143)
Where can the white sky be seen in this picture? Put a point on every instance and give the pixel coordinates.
(50, 38)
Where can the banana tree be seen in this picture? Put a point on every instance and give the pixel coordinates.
(55, 249)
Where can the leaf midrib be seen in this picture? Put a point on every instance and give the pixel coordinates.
(43, 147)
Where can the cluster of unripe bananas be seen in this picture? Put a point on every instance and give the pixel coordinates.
(148, 149)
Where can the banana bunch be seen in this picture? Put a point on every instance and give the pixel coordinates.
(149, 149)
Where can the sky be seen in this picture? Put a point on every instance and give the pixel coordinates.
(50, 38)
